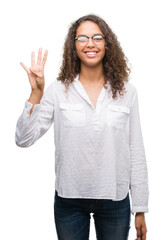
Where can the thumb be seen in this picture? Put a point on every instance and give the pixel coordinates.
(32, 70)
(36, 72)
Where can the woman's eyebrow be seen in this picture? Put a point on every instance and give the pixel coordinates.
(87, 35)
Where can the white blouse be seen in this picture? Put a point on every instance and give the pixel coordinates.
(99, 152)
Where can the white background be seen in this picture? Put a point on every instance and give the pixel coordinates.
(27, 175)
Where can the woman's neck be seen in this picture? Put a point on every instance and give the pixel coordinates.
(91, 75)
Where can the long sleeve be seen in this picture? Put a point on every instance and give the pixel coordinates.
(139, 173)
(30, 128)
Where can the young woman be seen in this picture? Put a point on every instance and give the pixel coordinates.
(99, 151)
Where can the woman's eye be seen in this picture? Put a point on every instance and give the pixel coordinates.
(97, 37)
(82, 38)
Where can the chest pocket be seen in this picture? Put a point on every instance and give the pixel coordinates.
(73, 115)
(117, 116)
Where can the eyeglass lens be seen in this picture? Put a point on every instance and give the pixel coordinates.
(97, 39)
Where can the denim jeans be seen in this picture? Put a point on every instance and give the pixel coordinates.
(72, 218)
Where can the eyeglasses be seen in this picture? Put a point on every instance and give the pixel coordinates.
(97, 39)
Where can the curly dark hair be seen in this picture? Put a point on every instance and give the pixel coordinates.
(116, 70)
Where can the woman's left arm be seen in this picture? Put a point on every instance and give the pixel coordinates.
(139, 173)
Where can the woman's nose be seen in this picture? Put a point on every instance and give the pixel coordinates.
(90, 42)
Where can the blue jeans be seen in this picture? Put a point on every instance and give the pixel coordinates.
(72, 218)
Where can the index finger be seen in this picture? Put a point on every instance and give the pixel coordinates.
(25, 68)
(44, 58)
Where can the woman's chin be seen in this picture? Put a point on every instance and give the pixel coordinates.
(92, 64)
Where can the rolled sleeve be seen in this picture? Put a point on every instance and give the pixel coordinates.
(139, 188)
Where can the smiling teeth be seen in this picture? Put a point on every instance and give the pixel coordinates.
(91, 53)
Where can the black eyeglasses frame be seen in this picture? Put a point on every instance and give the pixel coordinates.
(90, 37)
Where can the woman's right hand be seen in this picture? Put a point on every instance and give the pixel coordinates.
(36, 71)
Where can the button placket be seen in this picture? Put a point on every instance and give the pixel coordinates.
(97, 111)
(96, 120)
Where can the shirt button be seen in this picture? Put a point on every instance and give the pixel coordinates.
(96, 121)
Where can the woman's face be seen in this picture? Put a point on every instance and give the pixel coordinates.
(91, 54)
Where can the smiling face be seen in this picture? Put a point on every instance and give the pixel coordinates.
(91, 54)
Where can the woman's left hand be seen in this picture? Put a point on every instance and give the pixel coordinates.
(140, 226)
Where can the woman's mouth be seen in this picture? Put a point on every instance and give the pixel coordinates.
(91, 54)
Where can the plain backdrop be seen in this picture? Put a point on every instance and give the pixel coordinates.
(27, 176)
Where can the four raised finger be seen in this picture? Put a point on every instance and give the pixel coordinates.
(38, 60)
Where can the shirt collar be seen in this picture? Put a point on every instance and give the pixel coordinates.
(77, 80)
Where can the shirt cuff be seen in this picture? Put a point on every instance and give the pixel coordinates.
(29, 105)
(139, 209)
